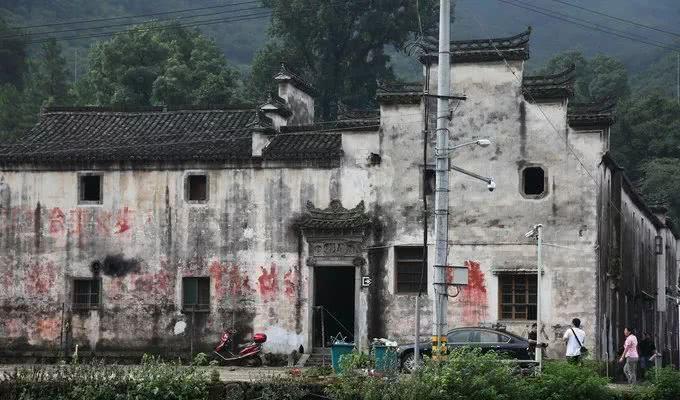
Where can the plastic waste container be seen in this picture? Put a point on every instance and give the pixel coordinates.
(338, 349)
(385, 358)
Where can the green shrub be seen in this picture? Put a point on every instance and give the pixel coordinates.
(201, 359)
(666, 384)
(563, 381)
(356, 360)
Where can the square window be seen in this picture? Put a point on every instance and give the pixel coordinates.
(90, 188)
(410, 269)
(197, 188)
(517, 299)
(196, 294)
(86, 294)
(533, 182)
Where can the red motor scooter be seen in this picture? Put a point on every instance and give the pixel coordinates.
(250, 354)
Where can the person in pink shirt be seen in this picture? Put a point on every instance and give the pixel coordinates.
(630, 354)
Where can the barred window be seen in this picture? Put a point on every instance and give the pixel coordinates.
(517, 296)
(410, 269)
(86, 294)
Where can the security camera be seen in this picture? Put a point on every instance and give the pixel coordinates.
(491, 186)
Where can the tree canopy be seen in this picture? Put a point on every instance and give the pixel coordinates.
(598, 78)
(157, 64)
(339, 45)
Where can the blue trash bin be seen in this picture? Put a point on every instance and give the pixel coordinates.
(339, 349)
(385, 358)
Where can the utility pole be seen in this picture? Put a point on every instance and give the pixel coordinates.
(678, 75)
(539, 320)
(75, 65)
(441, 202)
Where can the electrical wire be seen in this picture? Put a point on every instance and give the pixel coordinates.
(582, 22)
(595, 28)
(618, 18)
(557, 132)
(246, 17)
(134, 23)
(134, 16)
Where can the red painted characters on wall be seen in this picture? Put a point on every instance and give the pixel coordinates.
(40, 278)
(267, 283)
(473, 297)
(57, 221)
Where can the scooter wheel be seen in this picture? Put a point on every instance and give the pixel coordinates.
(255, 362)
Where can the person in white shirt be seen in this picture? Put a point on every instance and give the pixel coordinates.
(575, 339)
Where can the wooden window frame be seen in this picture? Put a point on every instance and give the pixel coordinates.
(89, 305)
(416, 274)
(515, 314)
(198, 306)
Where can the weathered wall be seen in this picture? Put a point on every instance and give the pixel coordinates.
(147, 238)
(487, 229)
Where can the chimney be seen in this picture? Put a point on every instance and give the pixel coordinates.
(298, 96)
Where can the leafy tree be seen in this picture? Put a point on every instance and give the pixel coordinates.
(157, 64)
(12, 55)
(50, 78)
(598, 78)
(661, 183)
(648, 127)
(339, 45)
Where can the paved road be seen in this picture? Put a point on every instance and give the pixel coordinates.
(227, 374)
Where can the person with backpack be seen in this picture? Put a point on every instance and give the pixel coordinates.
(575, 339)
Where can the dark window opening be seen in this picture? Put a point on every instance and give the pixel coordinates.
(517, 297)
(86, 293)
(411, 273)
(91, 188)
(196, 294)
(430, 181)
(534, 181)
(197, 187)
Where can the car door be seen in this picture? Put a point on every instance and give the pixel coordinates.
(486, 340)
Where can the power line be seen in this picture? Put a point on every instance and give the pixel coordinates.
(245, 17)
(135, 16)
(615, 30)
(618, 18)
(133, 23)
(593, 27)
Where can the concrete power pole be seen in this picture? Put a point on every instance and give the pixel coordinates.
(441, 201)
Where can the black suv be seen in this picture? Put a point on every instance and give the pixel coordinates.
(487, 339)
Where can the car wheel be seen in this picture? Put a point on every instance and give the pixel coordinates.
(408, 362)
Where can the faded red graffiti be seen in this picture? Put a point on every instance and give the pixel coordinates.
(13, 328)
(104, 223)
(48, 329)
(155, 285)
(268, 283)
(289, 282)
(116, 289)
(77, 218)
(40, 278)
(123, 221)
(216, 272)
(57, 221)
(473, 296)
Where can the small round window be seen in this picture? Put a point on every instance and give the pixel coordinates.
(534, 182)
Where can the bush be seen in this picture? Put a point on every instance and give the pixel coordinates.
(666, 384)
(563, 381)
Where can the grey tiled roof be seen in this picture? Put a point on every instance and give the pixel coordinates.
(493, 49)
(304, 146)
(93, 134)
(553, 86)
(591, 114)
(334, 217)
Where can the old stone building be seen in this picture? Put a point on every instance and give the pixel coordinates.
(151, 230)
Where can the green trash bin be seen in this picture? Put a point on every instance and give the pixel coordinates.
(385, 358)
(339, 349)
